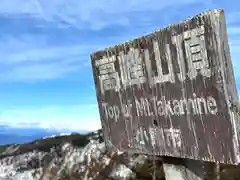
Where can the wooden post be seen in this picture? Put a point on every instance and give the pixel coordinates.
(186, 169)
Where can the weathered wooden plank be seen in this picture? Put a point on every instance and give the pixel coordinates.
(171, 93)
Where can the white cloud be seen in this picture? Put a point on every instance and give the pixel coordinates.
(25, 58)
(65, 8)
(33, 73)
(44, 54)
(32, 48)
(97, 13)
(78, 117)
(78, 124)
(31, 57)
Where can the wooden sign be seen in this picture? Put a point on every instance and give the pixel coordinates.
(170, 93)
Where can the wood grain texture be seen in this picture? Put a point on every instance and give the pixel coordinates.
(169, 93)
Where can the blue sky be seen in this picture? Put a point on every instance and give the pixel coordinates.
(45, 45)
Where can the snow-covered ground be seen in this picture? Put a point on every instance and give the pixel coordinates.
(89, 162)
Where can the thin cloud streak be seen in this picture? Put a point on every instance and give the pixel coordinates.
(30, 56)
(48, 40)
(77, 117)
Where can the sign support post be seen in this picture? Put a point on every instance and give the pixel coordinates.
(186, 169)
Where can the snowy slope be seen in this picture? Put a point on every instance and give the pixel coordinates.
(64, 160)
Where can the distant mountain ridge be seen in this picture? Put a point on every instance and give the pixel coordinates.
(11, 135)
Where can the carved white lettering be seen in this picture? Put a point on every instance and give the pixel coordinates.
(202, 105)
(131, 67)
(143, 107)
(156, 136)
(176, 107)
(161, 78)
(141, 136)
(111, 112)
(196, 52)
(168, 107)
(162, 107)
(173, 137)
(212, 105)
(177, 40)
(108, 76)
(126, 110)
(133, 71)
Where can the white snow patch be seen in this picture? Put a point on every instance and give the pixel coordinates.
(121, 172)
